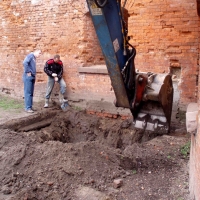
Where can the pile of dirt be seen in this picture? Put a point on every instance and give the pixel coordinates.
(74, 156)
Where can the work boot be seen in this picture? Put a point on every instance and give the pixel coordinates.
(46, 105)
(29, 111)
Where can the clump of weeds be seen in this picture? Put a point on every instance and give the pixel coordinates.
(185, 150)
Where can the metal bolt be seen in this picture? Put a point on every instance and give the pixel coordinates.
(140, 79)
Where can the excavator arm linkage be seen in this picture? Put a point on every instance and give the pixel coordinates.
(149, 96)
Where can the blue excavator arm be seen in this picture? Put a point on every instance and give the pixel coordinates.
(149, 96)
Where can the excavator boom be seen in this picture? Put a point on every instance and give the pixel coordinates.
(149, 96)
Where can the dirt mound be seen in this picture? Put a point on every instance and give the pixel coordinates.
(72, 156)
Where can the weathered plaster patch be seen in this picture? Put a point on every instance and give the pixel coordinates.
(16, 14)
(15, 2)
(36, 2)
(3, 23)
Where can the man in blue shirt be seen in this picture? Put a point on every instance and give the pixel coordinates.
(29, 64)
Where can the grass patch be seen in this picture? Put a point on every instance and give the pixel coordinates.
(169, 157)
(180, 198)
(77, 108)
(185, 150)
(9, 104)
(134, 171)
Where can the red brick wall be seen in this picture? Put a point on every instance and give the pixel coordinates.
(165, 34)
(55, 28)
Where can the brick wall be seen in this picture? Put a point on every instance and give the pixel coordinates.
(55, 28)
(165, 34)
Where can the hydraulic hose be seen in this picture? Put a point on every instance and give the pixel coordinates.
(101, 3)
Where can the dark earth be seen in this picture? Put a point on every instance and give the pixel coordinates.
(56, 155)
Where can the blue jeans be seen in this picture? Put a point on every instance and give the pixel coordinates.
(50, 86)
(29, 82)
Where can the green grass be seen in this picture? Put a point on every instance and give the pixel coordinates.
(134, 171)
(180, 198)
(78, 108)
(168, 156)
(185, 150)
(7, 103)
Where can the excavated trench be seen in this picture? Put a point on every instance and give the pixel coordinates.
(76, 126)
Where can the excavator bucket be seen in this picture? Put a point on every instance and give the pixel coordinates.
(154, 110)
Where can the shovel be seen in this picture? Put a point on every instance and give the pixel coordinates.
(64, 106)
(64, 102)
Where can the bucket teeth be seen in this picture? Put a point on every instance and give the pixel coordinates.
(152, 123)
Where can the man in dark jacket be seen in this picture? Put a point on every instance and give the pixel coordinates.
(54, 69)
(29, 75)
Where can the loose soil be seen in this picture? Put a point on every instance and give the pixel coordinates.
(56, 155)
